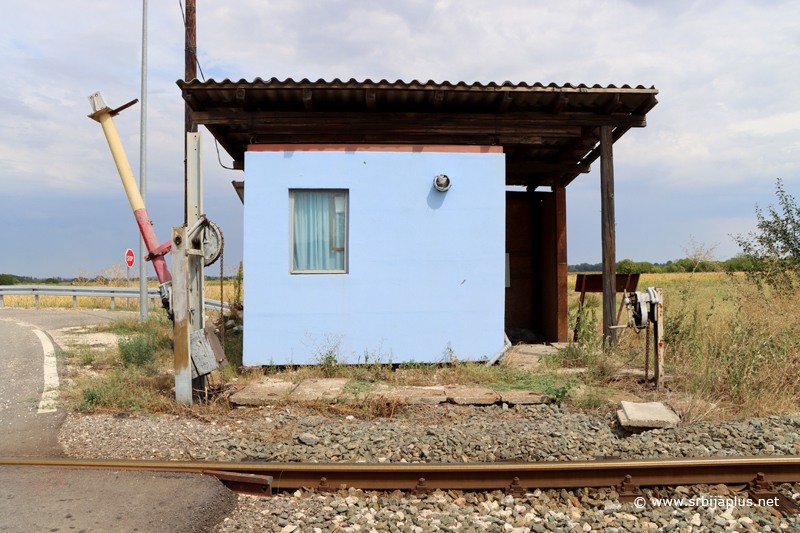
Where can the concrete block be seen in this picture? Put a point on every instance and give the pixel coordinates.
(417, 395)
(471, 395)
(647, 415)
(523, 397)
(312, 390)
(263, 392)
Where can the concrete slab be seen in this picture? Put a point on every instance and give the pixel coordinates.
(523, 397)
(527, 356)
(263, 392)
(471, 395)
(534, 349)
(417, 395)
(312, 390)
(559, 345)
(647, 415)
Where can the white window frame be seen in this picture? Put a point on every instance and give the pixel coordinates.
(346, 193)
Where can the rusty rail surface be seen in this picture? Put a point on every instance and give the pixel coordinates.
(468, 476)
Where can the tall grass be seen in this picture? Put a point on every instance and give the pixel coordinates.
(745, 357)
(727, 343)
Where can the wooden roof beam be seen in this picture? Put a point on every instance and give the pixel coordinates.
(222, 140)
(536, 166)
(372, 104)
(505, 102)
(612, 105)
(438, 99)
(559, 104)
(379, 136)
(649, 103)
(308, 99)
(594, 154)
(241, 99)
(523, 120)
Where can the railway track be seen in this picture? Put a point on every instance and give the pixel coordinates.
(758, 474)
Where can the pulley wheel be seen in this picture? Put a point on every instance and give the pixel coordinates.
(212, 242)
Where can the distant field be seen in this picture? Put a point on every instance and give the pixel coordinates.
(212, 291)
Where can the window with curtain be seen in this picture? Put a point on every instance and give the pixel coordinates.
(319, 230)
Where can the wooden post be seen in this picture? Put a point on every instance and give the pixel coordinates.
(180, 310)
(190, 73)
(608, 239)
(561, 261)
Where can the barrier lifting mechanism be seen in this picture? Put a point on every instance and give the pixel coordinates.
(643, 308)
(192, 249)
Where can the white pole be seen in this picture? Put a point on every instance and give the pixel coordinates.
(143, 168)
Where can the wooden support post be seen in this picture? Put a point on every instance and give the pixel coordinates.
(180, 309)
(608, 236)
(553, 257)
(561, 261)
(658, 338)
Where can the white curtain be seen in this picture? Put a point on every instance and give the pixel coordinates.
(319, 230)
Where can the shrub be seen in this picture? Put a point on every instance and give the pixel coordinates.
(775, 248)
(137, 351)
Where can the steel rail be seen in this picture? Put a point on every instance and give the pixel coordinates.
(472, 476)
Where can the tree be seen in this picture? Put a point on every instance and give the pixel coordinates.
(775, 247)
(699, 256)
(111, 275)
(7, 279)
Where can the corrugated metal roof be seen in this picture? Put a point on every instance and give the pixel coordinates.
(540, 126)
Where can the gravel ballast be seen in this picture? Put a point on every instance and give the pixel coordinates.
(450, 434)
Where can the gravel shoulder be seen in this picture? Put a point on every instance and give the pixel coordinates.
(450, 434)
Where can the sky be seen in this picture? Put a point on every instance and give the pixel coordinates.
(727, 125)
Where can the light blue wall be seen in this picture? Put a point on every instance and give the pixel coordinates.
(425, 268)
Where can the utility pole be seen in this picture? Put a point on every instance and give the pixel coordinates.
(190, 73)
(143, 169)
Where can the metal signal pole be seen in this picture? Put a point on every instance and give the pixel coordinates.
(143, 169)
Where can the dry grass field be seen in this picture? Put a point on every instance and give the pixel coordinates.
(734, 350)
(91, 302)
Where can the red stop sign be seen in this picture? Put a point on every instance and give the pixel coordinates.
(129, 258)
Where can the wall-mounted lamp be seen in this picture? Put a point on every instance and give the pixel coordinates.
(442, 183)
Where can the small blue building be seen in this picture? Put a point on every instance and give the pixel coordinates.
(378, 219)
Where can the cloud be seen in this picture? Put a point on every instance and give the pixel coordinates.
(724, 130)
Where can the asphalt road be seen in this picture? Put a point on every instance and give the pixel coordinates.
(49, 499)
(24, 341)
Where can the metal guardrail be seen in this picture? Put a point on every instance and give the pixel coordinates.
(78, 290)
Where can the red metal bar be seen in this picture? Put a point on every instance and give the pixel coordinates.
(150, 240)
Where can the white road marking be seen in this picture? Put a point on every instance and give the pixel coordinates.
(50, 393)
